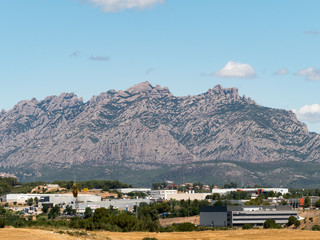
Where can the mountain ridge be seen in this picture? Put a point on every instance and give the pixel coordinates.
(147, 127)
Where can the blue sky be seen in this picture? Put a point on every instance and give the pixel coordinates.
(270, 50)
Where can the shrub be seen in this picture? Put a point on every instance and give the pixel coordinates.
(247, 226)
(18, 223)
(271, 223)
(2, 222)
(293, 221)
(316, 228)
(186, 227)
(149, 238)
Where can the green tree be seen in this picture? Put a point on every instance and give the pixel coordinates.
(87, 212)
(69, 210)
(230, 185)
(293, 221)
(307, 202)
(2, 222)
(30, 201)
(283, 202)
(317, 204)
(271, 223)
(101, 214)
(163, 207)
(19, 223)
(54, 212)
(5, 187)
(45, 208)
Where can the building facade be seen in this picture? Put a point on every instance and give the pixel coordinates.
(224, 216)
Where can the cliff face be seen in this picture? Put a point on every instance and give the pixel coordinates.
(146, 127)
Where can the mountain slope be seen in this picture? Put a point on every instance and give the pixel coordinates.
(146, 127)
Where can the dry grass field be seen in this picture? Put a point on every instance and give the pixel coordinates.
(261, 234)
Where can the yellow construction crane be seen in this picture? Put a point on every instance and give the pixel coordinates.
(75, 192)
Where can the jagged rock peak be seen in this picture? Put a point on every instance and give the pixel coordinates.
(146, 87)
(68, 95)
(234, 93)
(229, 93)
(140, 87)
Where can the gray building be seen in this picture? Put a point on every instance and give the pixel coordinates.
(120, 204)
(224, 216)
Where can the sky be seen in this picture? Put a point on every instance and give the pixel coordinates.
(268, 49)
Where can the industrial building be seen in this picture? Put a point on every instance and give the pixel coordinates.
(128, 190)
(51, 198)
(120, 204)
(223, 191)
(161, 194)
(224, 216)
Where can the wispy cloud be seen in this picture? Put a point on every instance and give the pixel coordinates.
(310, 73)
(308, 113)
(312, 32)
(100, 58)
(282, 72)
(75, 54)
(236, 70)
(149, 70)
(118, 5)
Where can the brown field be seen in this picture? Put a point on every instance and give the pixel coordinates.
(282, 234)
(169, 221)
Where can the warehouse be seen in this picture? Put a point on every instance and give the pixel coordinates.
(224, 216)
(51, 198)
(223, 191)
(120, 204)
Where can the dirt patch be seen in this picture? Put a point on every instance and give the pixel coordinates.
(168, 221)
(32, 234)
(307, 223)
(261, 234)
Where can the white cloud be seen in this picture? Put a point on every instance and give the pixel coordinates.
(99, 58)
(308, 113)
(312, 32)
(118, 5)
(310, 73)
(282, 72)
(236, 70)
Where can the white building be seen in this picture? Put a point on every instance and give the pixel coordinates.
(161, 194)
(250, 190)
(19, 197)
(120, 204)
(128, 190)
(50, 198)
(187, 196)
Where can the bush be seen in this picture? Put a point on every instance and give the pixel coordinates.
(247, 226)
(149, 238)
(316, 228)
(271, 223)
(293, 221)
(2, 222)
(18, 223)
(186, 227)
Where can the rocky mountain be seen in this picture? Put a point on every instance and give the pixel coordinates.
(147, 128)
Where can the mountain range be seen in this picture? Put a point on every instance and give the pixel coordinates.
(146, 134)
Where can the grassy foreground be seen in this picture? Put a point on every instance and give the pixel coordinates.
(282, 234)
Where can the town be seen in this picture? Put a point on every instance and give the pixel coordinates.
(164, 207)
